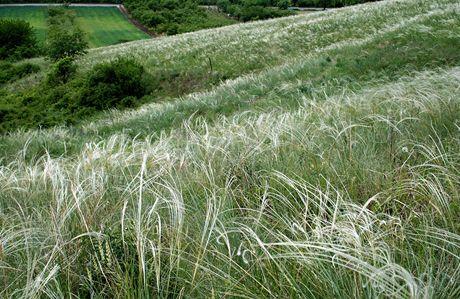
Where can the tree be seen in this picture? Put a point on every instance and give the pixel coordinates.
(63, 43)
(17, 39)
(65, 38)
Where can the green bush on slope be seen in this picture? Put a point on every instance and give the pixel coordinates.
(174, 16)
(12, 72)
(117, 84)
(65, 38)
(66, 97)
(17, 40)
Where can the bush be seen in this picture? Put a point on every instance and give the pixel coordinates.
(64, 43)
(249, 10)
(174, 16)
(17, 39)
(62, 71)
(66, 96)
(115, 84)
(327, 3)
(10, 72)
(65, 38)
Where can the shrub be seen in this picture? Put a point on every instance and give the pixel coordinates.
(65, 38)
(327, 3)
(10, 72)
(248, 10)
(62, 71)
(175, 16)
(17, 39)
(283, 4)
(115, 85)
(64, 43)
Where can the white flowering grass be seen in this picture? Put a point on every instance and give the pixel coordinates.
(310, 203)
(318, 189)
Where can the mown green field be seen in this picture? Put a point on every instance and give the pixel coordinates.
(313, 156)
(104, 25)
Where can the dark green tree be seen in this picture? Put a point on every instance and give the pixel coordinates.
(17, 39)
(65, 38)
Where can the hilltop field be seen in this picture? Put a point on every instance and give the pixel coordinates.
(309, 156)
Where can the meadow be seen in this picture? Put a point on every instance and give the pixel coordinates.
(103, 25)
(312, 156)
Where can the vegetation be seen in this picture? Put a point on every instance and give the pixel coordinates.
(65, 38)
(175, 16)
(12, 72)
(117, 84)
(102, 26)
(16, 39)
(62, 71)
(56, 1)
(66, 97)
(326, 165)
(249, 10)
(328, 3)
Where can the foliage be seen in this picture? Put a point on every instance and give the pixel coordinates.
(17, 39)
(66, 97)
(62, 71)
(249, 10)
(253, 12)
(327, 3)
(11, 72)
(57, 1)
(116, 84)
(174, 16)
(65, 38)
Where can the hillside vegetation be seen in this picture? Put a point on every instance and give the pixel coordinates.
(103, 25)
(311, 156)
(175, 16)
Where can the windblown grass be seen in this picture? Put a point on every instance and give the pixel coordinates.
(355, 195)
(423, 42)
(316, 177)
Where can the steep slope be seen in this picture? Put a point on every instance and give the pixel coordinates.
(330, 173)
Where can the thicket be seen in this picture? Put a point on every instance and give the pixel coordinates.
(17, 40)
(327, 3)
(11, 72)
(174, 16)
(116, 84)
(249, 10)
(67, 96)
(243, 6)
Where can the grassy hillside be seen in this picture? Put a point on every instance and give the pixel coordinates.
(326, 165)
(103, 25)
